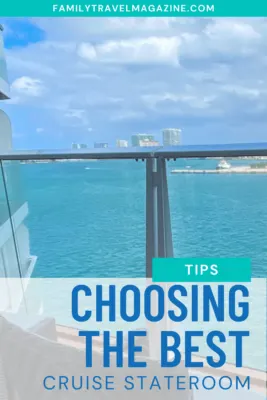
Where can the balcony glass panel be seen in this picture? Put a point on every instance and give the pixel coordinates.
(9, 265)
(14, 185)
(86, 218)
(4, 87)
(4, 215)
(219, 214)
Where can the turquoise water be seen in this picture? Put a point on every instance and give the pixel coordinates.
(88, 218)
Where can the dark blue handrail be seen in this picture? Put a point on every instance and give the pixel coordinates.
(190, 151)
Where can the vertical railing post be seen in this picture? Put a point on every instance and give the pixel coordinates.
(158, 233)
(158, 218)
(151, 215)
(165, 245)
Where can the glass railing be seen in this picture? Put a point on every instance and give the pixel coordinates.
(4, 215)
(9, 260)
(102, 214)
(86, 218)
(14, 184)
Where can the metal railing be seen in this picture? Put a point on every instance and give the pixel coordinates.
(192, 151)
(158, 221)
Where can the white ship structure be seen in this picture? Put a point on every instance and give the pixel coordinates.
(16, 260)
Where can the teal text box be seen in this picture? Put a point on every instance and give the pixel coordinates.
(145, 8)
(190, 270)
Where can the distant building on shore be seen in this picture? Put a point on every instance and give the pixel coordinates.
(171, 137)
(121, 143)
(141, 138)
(77, 146)
(100, 145)
(148, 143)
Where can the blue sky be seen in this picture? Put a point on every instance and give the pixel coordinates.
(87, 80)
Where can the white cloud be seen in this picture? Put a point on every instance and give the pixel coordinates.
(75, 118)
(158, 50)
(84, 75)
(75, 114)
(156, 102)
(17, 63)
(231, 37)
(28, 86)
(102, 28)
(127, 115)
(221, 29)
(39, 130)
(225, 36)
(117, 74)
(245, 92)
(69, 47)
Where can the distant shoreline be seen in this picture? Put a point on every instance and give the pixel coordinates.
(57, 161)
(40, 161)
(232, 170)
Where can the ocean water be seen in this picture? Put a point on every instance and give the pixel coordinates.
(88, 218)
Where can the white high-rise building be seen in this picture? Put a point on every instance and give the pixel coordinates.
(78, 146)
(171, 136)
(121, 143)
(149, 143)
(141, 137)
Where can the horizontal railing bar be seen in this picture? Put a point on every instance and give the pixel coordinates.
(72, 155)
(193, 151)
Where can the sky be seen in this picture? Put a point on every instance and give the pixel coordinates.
(88, 80)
